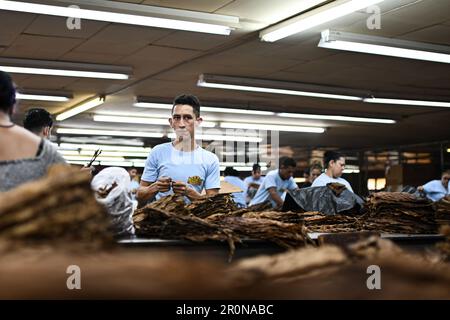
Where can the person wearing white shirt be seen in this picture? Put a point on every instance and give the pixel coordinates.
(334, 163)
(437, 189)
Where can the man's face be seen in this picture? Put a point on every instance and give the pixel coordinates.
(257, 174)
(314, 174)
(445, 178)
(133, 173)
(184, 121)
(286, 172)
(337, 167)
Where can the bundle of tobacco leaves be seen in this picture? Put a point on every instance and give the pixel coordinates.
(56, 209)
(211, 219)
(317, 222)
(442, 208)
(219, 204)
(286, 235)
(399, 212)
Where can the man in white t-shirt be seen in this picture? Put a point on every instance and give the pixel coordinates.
(253, 182)
(276, 183)
(181, 167)
(437, 189)
(334, 163)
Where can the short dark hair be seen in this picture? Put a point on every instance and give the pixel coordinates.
(329, 156)
(445, 172)
(188, 99)
(7, 92)
(287, 162)
(36, 119)
(256, 167)
(230, 171)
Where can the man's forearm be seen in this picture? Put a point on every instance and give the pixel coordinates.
(146, 193)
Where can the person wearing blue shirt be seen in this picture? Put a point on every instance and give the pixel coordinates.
(334, 163)
(180, 167)
(276, 183)
(437, 189)
(253, 182)
(232, 177)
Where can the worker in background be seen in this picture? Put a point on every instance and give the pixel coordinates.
(276, 183)
(435, 190)
(134, 183)
(334, 163)
(312, 174)
(253, 182)
(180, 167)
(232, 176)
(39, 121)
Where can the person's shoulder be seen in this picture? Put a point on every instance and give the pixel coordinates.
(272, 173)
(162, 147)
(248, 179)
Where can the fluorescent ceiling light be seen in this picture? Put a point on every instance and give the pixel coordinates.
(104, 153)
(143, 120)
(153, 105)
(64, 73)
(335, 118)
(114, 17)
(271, 127)
(204, 109)
(216, 137)
(409, 102)
(350, 171)
(64, 69)
(41, 97)
(80, 108)
(212, 81)
(337, 40)
(238, 111)
(313, 18)
(88, 158)
(74, 146)
(109, 133)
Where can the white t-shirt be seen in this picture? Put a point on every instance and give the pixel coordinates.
(273, 179)
(324, 179)
(199, 169)
(435, 190)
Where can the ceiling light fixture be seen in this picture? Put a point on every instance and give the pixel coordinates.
(117, 133)
(115, 17)
(64, 69)
(333, 39)
(92, 103)
(270, 86)
(424, 103)
(56, 97)
(271, 127)
(314, 18)
(335, 118)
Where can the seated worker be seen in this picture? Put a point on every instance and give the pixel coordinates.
(23, 155)
(253, 182)
(276, 183)
(232, 177)
(39, 121)
(334, 163)
(313, 172)
(181, 167)
(435, 190)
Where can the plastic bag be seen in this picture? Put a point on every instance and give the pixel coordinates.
(113, 182)
(327, 200)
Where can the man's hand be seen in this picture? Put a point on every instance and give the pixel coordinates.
(180, 188)
(163, 184)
